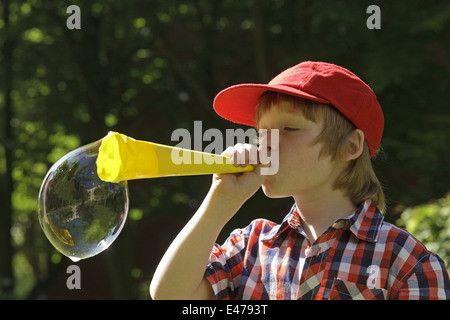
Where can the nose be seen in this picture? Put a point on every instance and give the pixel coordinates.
(269, 139)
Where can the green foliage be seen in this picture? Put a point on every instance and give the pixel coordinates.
(430, 223)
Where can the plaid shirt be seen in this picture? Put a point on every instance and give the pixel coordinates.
(358, 257)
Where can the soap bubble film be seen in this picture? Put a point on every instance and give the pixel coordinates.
(80, 214)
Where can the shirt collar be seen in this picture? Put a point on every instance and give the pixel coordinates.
(365, 223)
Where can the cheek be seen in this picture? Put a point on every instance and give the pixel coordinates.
(300, 163)
(296, 158)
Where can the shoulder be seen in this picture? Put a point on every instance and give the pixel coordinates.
(400, 243)
(245, 238)
(258, 227)
(414, 271)
(409, 258)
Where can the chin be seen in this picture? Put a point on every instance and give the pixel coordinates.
(271, 192)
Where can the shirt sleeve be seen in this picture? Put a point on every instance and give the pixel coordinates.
(225, 264)
(428, 281)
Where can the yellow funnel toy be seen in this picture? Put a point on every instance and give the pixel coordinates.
(123, 158)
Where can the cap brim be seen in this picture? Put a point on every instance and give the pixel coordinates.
(237, 103)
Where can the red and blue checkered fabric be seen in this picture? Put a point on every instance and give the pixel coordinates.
(358, 257)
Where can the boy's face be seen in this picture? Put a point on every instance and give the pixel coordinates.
(301, 171)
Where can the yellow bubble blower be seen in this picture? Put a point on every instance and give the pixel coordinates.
(123, 158)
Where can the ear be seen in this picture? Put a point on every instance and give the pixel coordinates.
(354, 146)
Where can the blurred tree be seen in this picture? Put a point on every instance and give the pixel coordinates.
(6, 249)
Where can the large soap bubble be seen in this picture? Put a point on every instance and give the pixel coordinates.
(80, 214)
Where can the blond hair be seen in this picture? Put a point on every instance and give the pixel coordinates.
(358, 179)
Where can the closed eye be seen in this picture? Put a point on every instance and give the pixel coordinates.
(290, 129)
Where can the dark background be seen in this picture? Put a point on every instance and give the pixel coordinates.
(145, 68)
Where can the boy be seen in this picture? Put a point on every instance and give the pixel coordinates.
(333, 244)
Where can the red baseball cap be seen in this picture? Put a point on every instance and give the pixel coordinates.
(317, 81)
